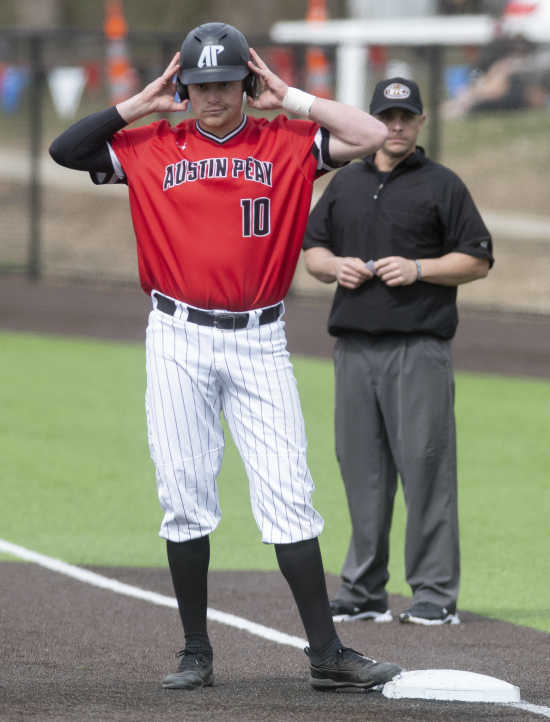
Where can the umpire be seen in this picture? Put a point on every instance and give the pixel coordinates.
(398, 233)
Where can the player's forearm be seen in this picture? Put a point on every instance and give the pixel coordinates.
(360, 132)
(83, 146)
(453, 269)
(136, 107)
(321, 263)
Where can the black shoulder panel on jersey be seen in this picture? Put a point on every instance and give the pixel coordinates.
(83, 146)
(325, 135)
(328, 162)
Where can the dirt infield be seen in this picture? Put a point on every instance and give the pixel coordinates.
(75, 652)
(486, 341)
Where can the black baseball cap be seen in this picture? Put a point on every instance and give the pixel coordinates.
(396, 93)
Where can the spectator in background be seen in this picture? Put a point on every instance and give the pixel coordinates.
(460, 7)
(472, 7)
(511, 74)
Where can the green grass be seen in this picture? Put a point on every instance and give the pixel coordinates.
(77, 482)
(529, 128)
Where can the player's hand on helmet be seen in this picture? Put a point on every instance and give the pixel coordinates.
(273, 89)
(160, 92)
(156, 97)
(351, 272)
(396, 271)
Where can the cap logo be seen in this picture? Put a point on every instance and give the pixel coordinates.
(209, 56)
(396, 91)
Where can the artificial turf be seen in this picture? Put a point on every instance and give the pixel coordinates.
(78, 484)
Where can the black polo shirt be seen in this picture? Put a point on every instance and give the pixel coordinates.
(419, 210)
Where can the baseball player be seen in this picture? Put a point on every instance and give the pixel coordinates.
(219, 206)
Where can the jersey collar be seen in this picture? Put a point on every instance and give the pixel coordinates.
(225, 138)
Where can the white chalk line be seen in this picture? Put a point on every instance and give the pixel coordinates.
(534, 708)
(128, 590)
(231, 620)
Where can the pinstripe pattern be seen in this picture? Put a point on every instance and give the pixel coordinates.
(195, 373)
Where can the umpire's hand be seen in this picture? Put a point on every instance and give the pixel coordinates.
(396, 271)
(351, 272)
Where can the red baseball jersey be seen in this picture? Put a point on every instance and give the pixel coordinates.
(219, 223)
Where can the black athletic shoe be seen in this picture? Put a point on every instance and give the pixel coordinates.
(429, 614)
(348, 611)
(194, 670)
(348, 668)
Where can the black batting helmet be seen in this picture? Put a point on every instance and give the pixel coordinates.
(213, 53)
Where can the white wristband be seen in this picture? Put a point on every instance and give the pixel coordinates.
(297, 101)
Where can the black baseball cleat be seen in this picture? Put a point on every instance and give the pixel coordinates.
(348, 668)
(429, 614)
(194, 670)
(349, 611)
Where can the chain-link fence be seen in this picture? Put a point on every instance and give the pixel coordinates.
(488, 119)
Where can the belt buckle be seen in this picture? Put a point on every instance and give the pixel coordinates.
(225, 321)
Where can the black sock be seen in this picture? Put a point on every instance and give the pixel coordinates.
(189, 569)
(302, 567)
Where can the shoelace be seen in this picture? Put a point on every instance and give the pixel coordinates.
(190, 659)
(343, 652)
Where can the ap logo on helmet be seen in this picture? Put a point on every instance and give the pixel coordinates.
(209, 56)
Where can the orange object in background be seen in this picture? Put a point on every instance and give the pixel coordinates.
(115, 23)
(318, 79)
(120, 75)
(316, 10)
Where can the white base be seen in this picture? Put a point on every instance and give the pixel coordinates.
(450, 684)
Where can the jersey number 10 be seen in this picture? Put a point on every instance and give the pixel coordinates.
(256, 216)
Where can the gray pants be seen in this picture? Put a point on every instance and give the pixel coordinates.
(394, 414)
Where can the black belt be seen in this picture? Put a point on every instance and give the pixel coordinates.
(223, 320)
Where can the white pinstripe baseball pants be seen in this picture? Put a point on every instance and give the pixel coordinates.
(195, 373)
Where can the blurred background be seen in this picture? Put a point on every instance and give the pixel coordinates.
(483, 67)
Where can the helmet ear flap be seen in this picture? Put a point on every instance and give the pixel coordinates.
(181, 89)
(252, 85)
